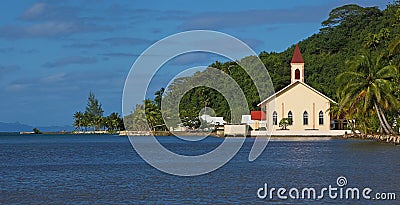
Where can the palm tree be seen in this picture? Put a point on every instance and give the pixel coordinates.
(372, 40)
(375, 39)
(159, 96)
(113, 121)
(367, 87)
(152, 114)
(78, 116)
(87, 120)
(97, 122)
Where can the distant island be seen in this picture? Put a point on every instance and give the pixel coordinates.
(20, 127)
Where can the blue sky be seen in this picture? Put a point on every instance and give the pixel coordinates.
(54, 52)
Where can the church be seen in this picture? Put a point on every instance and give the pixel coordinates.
(305, 106)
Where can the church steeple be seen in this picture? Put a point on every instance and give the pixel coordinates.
(297, 66)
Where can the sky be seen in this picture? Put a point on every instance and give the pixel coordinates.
(53, 53)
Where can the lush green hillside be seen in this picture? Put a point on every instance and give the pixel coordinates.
(348, 30)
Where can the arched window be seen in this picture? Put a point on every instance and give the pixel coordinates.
(305, 118)
(321, 118)
(290, 116)
(297, 74)
(274, 118)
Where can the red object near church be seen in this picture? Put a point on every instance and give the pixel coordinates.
(257, 115)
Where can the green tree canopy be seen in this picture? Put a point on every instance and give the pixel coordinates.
(367, 87)
(93, 106)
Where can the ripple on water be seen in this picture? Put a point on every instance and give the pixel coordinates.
(106, 169)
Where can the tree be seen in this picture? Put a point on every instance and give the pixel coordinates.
(158, 97)
(394, 47)
(285, 122)
(190, 119)
(337, 15)
(367, 87)
(36, 131)
(78, 123)
(394, 51)
(373, 40)
(348, 29)
(113, 122)
(87, 120)
(97, 122)
(341, 110)
(93, 106)
(93, 117)
(94, 111)
(137, 120)
(340, 14)
(153, 115)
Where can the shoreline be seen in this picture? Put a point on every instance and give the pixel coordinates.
(388, 139)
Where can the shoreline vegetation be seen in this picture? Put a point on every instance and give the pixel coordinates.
(93, 121)
(390, 139)
(354, 59)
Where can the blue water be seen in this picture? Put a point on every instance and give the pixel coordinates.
(105, 169)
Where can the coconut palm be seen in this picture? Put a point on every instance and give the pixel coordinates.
(159, 95)
(78, 116)
(112, 122)
(87, 121)
(367, 87)
(153, 114)
(341, 109)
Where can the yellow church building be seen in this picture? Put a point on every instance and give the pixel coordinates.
(305, 106)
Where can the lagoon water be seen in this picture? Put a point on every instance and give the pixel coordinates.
(105, 169)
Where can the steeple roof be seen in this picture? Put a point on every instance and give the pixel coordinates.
(297, 58)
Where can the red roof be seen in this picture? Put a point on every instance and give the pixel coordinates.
(297, 58)
(257, 115)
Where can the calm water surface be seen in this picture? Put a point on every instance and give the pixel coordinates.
(95, 169)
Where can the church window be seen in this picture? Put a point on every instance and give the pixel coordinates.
(274, 118)
(305, 118)
(290, 116)
(321, 118)
(297, 74)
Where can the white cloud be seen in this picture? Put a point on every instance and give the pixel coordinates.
(35, 11)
